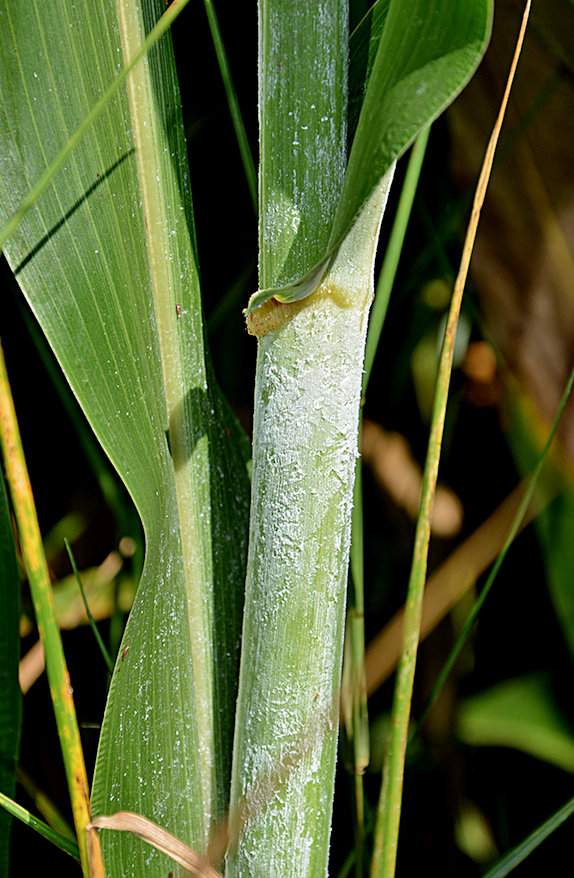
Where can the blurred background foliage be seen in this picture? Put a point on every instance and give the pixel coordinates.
(496, 754)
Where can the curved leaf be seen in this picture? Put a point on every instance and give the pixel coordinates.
(363, 46)
(107, 262)
(520, 713)
(425, 56)
(554, 527)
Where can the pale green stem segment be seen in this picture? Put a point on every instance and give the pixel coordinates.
(308, 370)
(307, 395)
(46, 178)
(389, 812)
(65, 844)
(41, 589)
(233, 103)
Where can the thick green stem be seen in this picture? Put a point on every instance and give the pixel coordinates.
(307, 395)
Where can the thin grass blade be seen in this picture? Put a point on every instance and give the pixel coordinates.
(449, 583)
(92, 622)
(354, 662)
(65, 844)
(393, 253)
(520, 853)
(233, 102)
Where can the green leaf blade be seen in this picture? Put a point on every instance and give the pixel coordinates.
(107, 261)
(521, 713)
(424, 58)
(68, 845)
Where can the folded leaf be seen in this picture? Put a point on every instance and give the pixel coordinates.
(425, 56)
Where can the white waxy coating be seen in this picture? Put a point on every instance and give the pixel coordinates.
(305, 446)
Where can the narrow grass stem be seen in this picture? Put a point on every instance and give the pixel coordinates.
(450, 582)
(67, 845)
(359, 725)
(45, 806)
(39, 579)
(233, 103)
(393, 252)
(518, 854)
(388, 819)
(512, 533)
(91, 620)
(46, 178)
(356, 624)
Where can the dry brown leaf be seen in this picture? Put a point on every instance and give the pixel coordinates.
(31, 666)
(161, 839)
(397, 472)
(447, 585)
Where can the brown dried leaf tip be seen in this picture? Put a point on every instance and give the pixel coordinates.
(161, 839)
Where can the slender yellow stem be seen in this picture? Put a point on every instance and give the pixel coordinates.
(389, 812)
(40, 587)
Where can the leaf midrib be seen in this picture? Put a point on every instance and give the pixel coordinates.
(196, 568)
